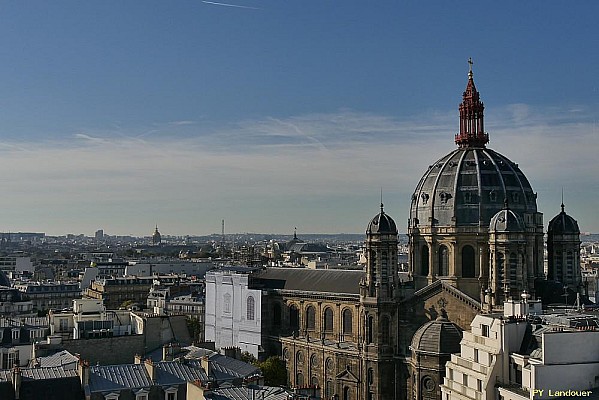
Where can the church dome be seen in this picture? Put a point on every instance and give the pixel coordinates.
(156, 237)
(506, 221)
(467, 187)
(382, 224)
(440, 336)
(563, 223)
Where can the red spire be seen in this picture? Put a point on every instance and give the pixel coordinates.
(472, 127)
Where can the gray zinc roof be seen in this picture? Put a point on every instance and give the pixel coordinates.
(312, 280)
(233, 366)
(174, 373)
(116, 377)
(47, 373)
(249, 393)
(58, 359)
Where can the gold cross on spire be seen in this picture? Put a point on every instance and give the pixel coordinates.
(470, 66)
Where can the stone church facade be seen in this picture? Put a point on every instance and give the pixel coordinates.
(475, 240)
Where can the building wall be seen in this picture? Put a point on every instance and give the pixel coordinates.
(570, 362)
(107, 351)
(161, 329)
(579, 376)
(570, 347)
(228, 309)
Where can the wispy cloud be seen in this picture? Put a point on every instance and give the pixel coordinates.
(183, 122)
(90, 139)
(269, 173)
(214, 3)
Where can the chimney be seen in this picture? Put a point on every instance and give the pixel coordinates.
(83, 372)
(167, 352)
(233, 352)
(16, 381)
(206, 365)
(151, 369)
(170, 351)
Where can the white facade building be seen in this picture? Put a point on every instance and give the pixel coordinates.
(16, 263)
(233, 312)
(90, 319)
(512, 357)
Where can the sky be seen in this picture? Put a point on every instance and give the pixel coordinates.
(123, 114)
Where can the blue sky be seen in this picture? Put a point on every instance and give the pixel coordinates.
(273, 114)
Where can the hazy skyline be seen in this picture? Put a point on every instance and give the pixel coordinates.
(271, 115)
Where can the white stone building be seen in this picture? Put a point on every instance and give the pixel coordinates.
(518, 356)
(233, 312)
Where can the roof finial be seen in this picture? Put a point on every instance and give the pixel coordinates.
(506, 205)
(472, 126)
(381, 199)
(295, 232)
(470, 67)
(563, 199)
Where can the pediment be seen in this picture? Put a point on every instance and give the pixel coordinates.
(347, 376)
(438, 287)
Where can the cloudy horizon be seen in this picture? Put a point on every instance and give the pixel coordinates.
(271, 115)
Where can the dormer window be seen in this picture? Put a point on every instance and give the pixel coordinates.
(485, 330)
(142, 394)
(444, 197)
(170, 393)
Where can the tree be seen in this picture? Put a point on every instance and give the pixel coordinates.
(274, 371)
(249, 358)
(126, 304)
(194, 327)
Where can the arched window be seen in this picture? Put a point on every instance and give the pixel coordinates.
(385, 330)
(276, 314)
(513, 270)
(328, 390)
(370, 376)
(227, 302)
(314, 361)
(468, 264)
(329, 366)
(347, 321)
(299, 357)
(443, 261)
(299, 381)
(384, 266)
(346, 393)
(328, 319)
(500, 271)
(424, 260)
(369, 329)
(569, 266)
(559, 266)
(373, 263)
(250, 308)
(310, 318)
(314, 381)
(293, 318)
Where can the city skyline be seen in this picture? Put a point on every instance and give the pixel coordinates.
(278, 115)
